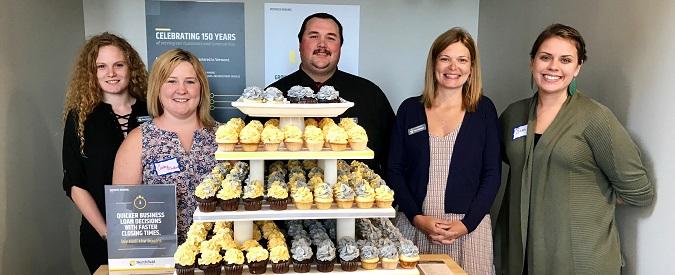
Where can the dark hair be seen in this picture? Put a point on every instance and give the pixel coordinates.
(321, 15)
(565, 32)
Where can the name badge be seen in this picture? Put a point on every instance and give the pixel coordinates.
(141, 119)
(417, 129)
(167, 166)
(520, 131)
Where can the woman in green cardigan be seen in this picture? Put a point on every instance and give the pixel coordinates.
(570, 163)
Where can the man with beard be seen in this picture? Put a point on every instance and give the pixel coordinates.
(320, 40)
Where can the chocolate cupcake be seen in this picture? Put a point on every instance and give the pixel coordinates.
(349, 254)
(302, 256)
(328, 94)
(325, 256)
(299, 94)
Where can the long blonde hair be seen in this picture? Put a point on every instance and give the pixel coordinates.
(471, 91)
(83, 93)
(162, 69)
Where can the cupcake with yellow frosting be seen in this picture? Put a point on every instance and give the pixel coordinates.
(227, 136)
(256, 124)
(257, 258)
(276, 241)
(210, 261)
(233, 261)
(253, 195)
(326, 121)
(272, 122)
(184, 259)
(277, 196)
(337, 138)
(205, 194)
(323, 196)
(280, 259)
(272, 137)
(409, 254)
(302, 197)
(249, 137)
(237, 123)
(347, 123)
(313, 138)
(384, 196)
(229, 194)
(248, 244)
(311, 121)
(365, 195)
(358, 139)
(292, 138)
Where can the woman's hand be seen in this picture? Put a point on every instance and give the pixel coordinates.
(455, 229)
(435, 228)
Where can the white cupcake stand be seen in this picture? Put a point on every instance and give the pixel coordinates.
(327, 159)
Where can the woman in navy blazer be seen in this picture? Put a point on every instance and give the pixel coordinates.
(444, 160)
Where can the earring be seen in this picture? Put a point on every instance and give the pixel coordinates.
(572, 88)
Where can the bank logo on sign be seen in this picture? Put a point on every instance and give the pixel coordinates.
(140, 202)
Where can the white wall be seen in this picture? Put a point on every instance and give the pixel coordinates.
(394, 37)
(631, 51)
(38, 224)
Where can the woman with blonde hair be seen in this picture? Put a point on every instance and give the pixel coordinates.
(104, 101)
(177, 146)
(444, 162)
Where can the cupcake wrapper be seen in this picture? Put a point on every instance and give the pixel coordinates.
(249, 147)
(303, 205)
(257, 267)
(369, 265)
(207, 205)
(344, 204)
(383, 204)
(389, 264)
(229, 205)
(301, 267)
(281, 267)
(293, 146)
(226, 147)
(233, 269)
(364, 204)
(349, 265)
(278, 204)
(253, 204)
(324, 266)
(408, 265)
(271, 147)
(212, 269)
(185, 270)
(358, 146)
(314, 146)
(338, 146)
(323, 205)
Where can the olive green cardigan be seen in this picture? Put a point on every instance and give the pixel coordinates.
(560, 196)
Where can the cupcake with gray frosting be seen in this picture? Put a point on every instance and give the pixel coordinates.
(325, 256)
(328, 94)
(349, 254)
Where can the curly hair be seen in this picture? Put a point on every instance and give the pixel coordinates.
(83, 93)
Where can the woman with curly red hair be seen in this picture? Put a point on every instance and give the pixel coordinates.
(104, 101)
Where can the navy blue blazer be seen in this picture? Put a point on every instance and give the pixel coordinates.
(475, 168)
